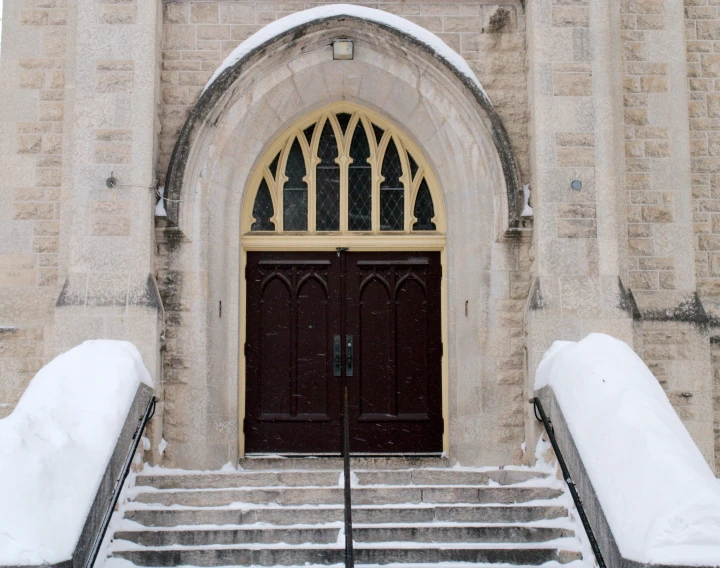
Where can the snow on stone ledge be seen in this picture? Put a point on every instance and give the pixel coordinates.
(56, 444)
(282, 25)
(658, 494)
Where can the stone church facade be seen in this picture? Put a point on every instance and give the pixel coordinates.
(609, 110)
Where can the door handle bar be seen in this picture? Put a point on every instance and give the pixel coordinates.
(348, 355)
(337, 357)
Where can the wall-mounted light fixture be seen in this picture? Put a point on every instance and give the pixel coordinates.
(343, 49)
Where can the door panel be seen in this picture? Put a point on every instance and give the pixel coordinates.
(394, 376)
(375, 349)
(274, 313)
(412, 329)
(312, 353)
(292, 398)
(393, 308)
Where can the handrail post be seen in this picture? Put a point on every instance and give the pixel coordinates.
(568, 480)
(349, 556)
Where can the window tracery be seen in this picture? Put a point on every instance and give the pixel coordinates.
(344, 170)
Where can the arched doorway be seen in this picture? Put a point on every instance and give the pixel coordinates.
(343, 243)
(403, 83)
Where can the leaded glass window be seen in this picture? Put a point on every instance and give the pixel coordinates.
(295, 192)
(328, 182)
(344, 170)
(413, 166)
(424, 210)
(344, 120)
(378, 133)
(274, 165)
(392, 192)
(263, 209)
(360, 182)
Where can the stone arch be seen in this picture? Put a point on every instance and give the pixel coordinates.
(222, 143)
(230, 80)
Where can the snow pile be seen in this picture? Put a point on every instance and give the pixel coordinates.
(56, 444)
(282, 25)
(658, 494)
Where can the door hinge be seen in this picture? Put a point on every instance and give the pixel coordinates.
(442, 349)
(246, 348)
(442, 425)
(245, 424)
(247, 271)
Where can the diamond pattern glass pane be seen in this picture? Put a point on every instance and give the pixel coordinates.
(344, 120)
(295, 202)
(413, 166)
(263, 210)
(309, 132)
(274, 165)
(359, 182)
(424, 210)
(378, 133)
(328, 182)
(392, 192)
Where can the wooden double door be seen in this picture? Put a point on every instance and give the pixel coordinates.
(319, 320)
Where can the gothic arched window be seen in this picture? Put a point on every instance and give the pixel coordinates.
(344, 170)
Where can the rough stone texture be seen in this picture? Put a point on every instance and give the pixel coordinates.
(621, 95)
(490, 35)
(486, 358)
(702, 21)
(576, 130)
(32, 121)
(678, 355)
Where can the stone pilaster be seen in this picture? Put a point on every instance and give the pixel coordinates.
(109, 289)
(576, 133)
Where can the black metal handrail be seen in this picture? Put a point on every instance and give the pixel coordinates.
(568, 480)
(349, 555)
(97, 543)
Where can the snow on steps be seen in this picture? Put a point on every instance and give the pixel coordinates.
(277, 512)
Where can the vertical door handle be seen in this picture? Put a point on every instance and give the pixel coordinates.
(348, 355)
(337, 358)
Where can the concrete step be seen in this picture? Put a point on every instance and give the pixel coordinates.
(311, 515)
(360, 495)
(435, 476)
(327, 535)
(336, 463)
(297, 556)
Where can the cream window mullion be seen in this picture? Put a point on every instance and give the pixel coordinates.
(413, 194)
(406, 180)
(378, 179)
(343, 142)
(282, 178)
(309, 148)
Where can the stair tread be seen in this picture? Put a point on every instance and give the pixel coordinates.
(414, 514)
(558, 544)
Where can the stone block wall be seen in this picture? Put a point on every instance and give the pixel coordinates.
(32, 119)
(702, 33)
(197, 36)
(677, 354)
(653, 208)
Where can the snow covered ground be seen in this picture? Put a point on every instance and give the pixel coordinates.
(658, 493)
(56, 444)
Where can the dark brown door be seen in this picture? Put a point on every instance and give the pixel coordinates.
(301, 348)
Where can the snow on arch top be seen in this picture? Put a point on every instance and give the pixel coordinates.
(278, 27)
